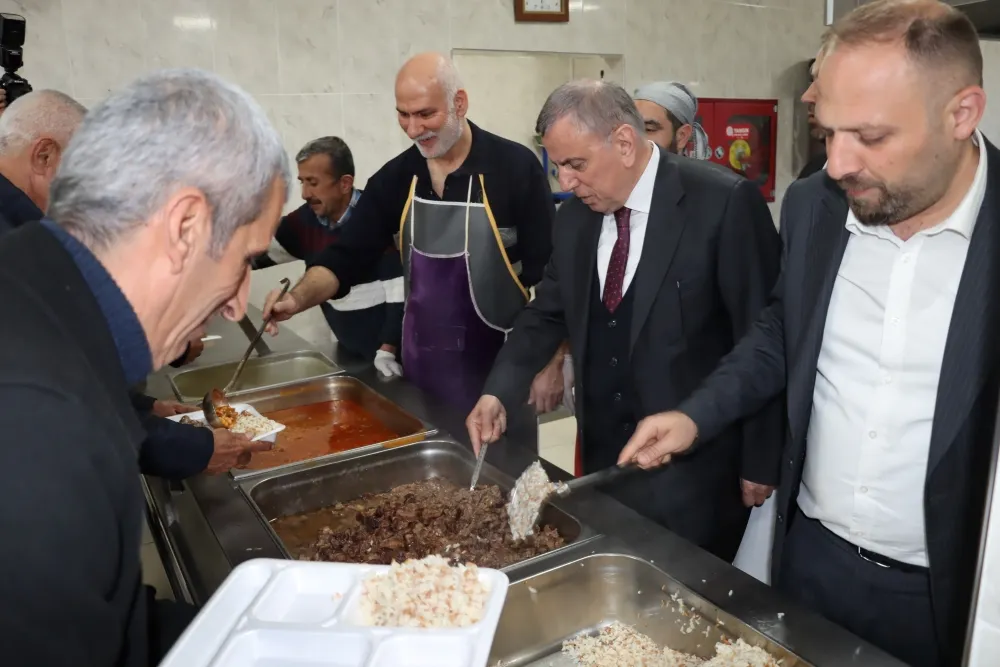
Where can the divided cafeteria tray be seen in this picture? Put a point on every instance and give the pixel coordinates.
(279, 613)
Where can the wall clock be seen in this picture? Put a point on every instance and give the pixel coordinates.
(544, 11)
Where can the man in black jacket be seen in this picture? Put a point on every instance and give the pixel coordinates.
(34, 132)
(661, 263)
(882, 331)
(146, 240)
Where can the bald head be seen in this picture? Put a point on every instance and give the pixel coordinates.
(431, 103)
(39, 114)
(430, 71)
(34, 131)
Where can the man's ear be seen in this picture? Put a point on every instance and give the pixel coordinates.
(347, 182)
(45, 155)
(186, 225)
(461, 103)
(682, 137)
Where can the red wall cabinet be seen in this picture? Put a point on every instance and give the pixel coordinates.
(743, 135)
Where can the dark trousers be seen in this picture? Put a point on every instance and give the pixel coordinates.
(167, 622)
(887, 607)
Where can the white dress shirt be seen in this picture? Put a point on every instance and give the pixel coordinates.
(639, 201)
(877, 380)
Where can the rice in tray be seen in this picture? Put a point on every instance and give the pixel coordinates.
(253, 425)
(426, 593)
(620, 644)
(244, 422)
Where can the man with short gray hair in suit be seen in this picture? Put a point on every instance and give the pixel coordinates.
(659, 266)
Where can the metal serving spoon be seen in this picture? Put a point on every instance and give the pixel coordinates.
(525, 507)
(217, 398)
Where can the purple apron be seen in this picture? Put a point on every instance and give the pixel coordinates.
(462, 294)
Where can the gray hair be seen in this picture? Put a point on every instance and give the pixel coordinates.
(168, 130)
(450, 80)
(341, 159)
(39, 114)
(600, 107)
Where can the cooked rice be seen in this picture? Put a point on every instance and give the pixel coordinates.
(425, 593)
(526, 499)
(620, 644)
(617, 644)
(253, 425)
(740, 654)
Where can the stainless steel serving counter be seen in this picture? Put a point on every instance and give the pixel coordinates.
(206, 526)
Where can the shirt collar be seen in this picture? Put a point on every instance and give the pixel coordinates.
(17, 207)
(127, 332)
(641, 198)
(962, 221)
(479, 159)
(323, 220)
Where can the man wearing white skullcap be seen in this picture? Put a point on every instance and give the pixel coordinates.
(669, 110)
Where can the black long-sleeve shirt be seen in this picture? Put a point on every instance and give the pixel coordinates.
(516, 187)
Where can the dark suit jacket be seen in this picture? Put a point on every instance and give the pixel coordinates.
(70, 500)
(785, 343)
(709, 259)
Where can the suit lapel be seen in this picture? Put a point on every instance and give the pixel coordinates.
(826, 244)
(663, 233)
(970, 349)
(583, 275)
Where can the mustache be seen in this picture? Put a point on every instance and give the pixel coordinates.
(427, 135)
(855, 183)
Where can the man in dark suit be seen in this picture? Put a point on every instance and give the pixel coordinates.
(883, 332)
(34, 133)
(146, 240)
(661, 263)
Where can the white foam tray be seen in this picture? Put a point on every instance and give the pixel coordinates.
(283, 613)
(270, 436)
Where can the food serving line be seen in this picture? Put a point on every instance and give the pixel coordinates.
(615, 564)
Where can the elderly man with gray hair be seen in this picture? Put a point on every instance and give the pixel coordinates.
(659, 266)
(146, 238)
(34, 132)
(669, 110)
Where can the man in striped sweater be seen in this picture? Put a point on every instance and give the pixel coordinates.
(368, 320)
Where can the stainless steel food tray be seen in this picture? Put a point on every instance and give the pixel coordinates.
(261, 373)
(409, 428)
(587, 594)
(286, 493)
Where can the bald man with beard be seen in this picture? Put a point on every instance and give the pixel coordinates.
(474, 216)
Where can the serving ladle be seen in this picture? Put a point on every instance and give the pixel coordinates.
(216, 398)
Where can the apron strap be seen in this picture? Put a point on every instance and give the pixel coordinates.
(402, 217)
(496, 233)
(468, 207)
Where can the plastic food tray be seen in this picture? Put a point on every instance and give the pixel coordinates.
(279, 613)
(270, 436)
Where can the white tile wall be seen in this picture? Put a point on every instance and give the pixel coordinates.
(327, 66)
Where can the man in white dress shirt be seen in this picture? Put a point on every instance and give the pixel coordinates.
(660, 264)
(883, 331)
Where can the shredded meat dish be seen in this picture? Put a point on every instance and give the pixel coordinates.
(414, 521)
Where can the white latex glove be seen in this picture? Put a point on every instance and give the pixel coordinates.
(387, 365)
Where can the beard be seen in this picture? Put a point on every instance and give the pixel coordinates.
(447, 136)
(892, 204)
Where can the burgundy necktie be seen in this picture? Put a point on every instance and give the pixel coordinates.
(615, 279)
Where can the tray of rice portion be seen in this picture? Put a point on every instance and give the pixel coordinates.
(238, 418)
(280, 613)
